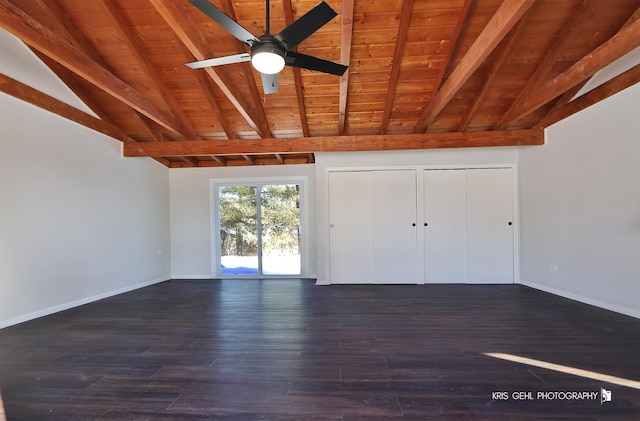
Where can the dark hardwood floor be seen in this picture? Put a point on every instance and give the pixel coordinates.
(283, 350)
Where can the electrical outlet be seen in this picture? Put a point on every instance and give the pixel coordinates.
(553, 268)
(158, 252)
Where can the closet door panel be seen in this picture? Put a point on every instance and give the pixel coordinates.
(394, 226)
(350, 227)
(489, 197)
(445, 232)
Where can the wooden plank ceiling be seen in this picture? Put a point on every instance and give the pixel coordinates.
(422, 73)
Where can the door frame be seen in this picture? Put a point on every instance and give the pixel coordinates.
(214, 218)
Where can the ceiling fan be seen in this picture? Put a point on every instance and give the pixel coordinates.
(270, 53)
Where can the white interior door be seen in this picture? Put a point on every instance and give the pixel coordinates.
(489, 197)
(445, 232)
(394, 226)
(350, 227)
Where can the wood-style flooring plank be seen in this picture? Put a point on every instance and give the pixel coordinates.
(284, 350)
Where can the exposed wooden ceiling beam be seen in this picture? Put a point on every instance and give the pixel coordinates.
(345, 58)
(150, 128)
(498, 27)
(455, 43)
(617, 46)
(188, 33)
(335, 144)
(42, 39)
(34, 97)
(70, 79)
(571, 93)
(577, 19)
(602, 92)
(239, 161)
(288, 16)
(250, 159)
(503, 53)
(247, 70)
(133, 43)
(157, 136)
(190, 160)
(73, 35)
(401, 39)
(220, 160)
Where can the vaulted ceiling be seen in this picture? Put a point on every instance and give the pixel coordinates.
(422, 73)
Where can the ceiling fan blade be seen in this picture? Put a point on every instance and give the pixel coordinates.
(269, 83)
(219, 61)
(304, 61)
(301, 29)
(233, 27)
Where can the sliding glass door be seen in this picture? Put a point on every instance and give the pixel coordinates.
(259, 229)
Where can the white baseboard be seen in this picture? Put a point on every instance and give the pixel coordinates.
(581, 298)
(66, 306)
(178, 277)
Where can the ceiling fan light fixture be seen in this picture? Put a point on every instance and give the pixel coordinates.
(267, 58)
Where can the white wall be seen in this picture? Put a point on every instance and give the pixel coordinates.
(191, 214)
(77, 221)
(436, 158)
(580, 206)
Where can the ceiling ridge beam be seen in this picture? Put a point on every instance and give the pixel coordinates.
(46, 102)
(585, 10)
(345, 57)
(187, 32)
(507, 15)
(505, 49)
(614, 48)
(401, 39)
(602, 92)
(133, 43)
(42, 39)
(335, 143)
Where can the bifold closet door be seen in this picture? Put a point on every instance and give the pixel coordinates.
(394, 226)
(350, 227)
(489, 197)
(444, 226)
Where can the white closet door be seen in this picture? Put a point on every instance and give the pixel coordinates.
(350, 227)
(394, 226)
(445, 232)
(489, 225)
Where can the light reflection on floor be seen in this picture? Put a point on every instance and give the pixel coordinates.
(566, 369)
(3, 416)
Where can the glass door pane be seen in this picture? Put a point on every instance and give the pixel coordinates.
(238, 207)
(280, 229)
